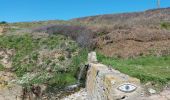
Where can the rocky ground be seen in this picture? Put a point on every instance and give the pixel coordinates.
(8, 89)
(82, 95)
(164, 95)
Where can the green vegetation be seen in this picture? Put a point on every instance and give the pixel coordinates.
(69, 77)
(3, 22)
(23, 45)
(165, 25)
(149, 68)
(33, 67)
(1, 67)
(79, 59)
(44, 23)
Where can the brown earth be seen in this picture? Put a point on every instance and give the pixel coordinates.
(131, 34)
(135, 42)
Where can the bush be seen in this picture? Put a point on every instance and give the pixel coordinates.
(3, 22)
(80, 34)
(165, 25)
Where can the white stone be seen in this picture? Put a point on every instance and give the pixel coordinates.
(151, 91)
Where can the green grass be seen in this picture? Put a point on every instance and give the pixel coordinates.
(149, 68)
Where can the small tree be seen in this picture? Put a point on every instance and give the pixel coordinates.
(3, 22)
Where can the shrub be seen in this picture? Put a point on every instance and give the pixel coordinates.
(80, 34)
(3, 22)
(165, 25)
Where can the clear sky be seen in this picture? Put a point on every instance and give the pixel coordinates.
(32, 10)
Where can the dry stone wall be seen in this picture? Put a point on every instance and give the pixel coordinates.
(104, 83)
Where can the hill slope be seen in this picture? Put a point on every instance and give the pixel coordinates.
(150, 16)
(132, 34)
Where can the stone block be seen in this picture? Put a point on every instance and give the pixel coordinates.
(92, 57)
(104, 83)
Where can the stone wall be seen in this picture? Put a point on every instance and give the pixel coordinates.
(104, 83)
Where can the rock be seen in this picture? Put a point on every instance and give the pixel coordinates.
(3, 29)
(8, 89)
(104, 83)
(151, 91)
(5, 58)
(92, 58)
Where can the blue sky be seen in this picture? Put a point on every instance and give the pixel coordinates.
(32, 10)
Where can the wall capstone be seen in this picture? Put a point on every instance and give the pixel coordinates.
(92, 57)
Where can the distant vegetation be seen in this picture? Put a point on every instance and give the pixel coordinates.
(3, 22)
(80, 34)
